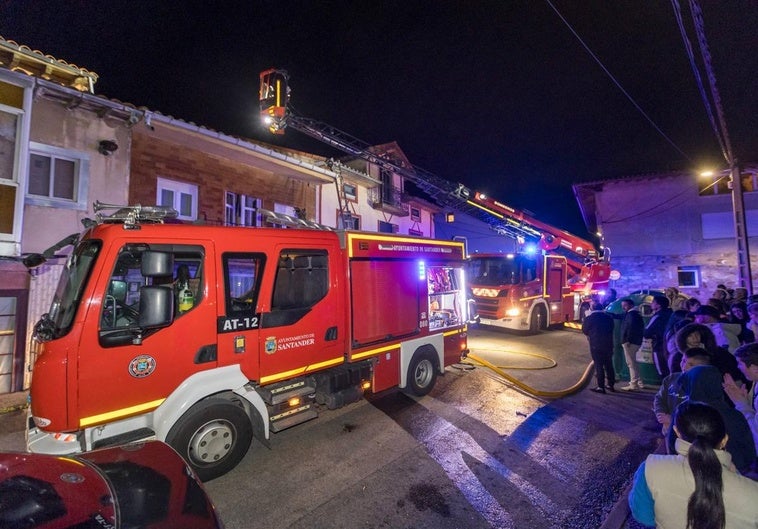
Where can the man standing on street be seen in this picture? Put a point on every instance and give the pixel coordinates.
(632, 328)
(598, 326)
(655, 331)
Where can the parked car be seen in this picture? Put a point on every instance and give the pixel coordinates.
(142, 485)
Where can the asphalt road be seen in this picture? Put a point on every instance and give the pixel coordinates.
(477, 452)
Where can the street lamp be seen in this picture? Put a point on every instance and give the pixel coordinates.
(744, 275)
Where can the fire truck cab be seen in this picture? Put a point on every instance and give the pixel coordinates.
(521, 291)
(278, 322)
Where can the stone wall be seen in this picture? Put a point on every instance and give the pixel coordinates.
(642, 272)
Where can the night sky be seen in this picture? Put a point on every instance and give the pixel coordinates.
(497, 95)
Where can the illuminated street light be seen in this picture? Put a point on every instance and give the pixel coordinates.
(744, 274)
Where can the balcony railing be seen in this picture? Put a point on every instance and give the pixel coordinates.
(389, 199)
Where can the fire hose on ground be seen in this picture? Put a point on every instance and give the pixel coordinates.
(528, 389)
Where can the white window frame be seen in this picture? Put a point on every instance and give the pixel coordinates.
(415, 213)
(178, 188)
(353, 224)
(694, 270)
(81, 162)
(238, 212)
(350, 191)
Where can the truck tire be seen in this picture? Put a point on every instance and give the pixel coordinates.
(422, 373)
(537, 321)
(212, 436)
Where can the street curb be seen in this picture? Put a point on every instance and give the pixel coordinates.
(619, 514)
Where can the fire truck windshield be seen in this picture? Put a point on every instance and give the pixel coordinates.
(70, 288)
(502, 269)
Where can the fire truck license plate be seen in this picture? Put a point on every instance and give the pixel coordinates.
(241, 323)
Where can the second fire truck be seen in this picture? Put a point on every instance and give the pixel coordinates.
(548, 282)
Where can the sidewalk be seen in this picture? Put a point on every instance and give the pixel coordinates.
(13, 401)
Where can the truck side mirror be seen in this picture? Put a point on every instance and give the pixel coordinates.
(117, 290)
(157, 264)
(156, 307)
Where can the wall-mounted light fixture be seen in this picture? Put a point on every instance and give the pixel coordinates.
(107, 147)
(450, 217)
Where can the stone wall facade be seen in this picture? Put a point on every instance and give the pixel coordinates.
(660, 271)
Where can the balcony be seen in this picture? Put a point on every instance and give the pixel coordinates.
(388, 199)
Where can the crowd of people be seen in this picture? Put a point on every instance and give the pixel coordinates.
(706, 355)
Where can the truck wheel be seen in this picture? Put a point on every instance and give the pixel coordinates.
(213, 436)
(422, 373)
(537, 321)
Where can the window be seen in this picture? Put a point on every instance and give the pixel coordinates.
(688, 276)
(180, 196)
(57, 177)
(387, 227)
(350, 191)
(415, 214)
(721, 185)
(181, 269)
(242, 275)
(241, 210)
(348, 221)
(302, 279)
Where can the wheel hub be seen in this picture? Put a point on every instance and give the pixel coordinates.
(212, 442)
(423, 374)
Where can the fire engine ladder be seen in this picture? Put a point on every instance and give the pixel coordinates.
(443, 192)
(274, 96)
(288, 220)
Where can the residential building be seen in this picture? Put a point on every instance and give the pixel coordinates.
(374, 198)
(61, 148)
(671, 229)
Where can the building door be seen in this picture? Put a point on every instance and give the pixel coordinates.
(12, 325)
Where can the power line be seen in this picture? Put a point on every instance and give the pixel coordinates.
(698, 77)
(617, 83)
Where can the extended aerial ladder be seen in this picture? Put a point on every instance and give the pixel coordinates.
(588, 265)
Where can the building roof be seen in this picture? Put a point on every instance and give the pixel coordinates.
(585, 192)
(20, 58)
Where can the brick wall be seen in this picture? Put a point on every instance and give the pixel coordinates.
(153, 158)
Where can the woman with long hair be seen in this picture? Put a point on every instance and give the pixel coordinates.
(699, 487)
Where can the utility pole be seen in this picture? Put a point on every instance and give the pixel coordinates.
(744, 275)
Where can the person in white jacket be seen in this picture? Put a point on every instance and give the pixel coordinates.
(727, 334)
(698, 488)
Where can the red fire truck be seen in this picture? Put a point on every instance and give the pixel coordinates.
(550, 282)
(279, 323)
